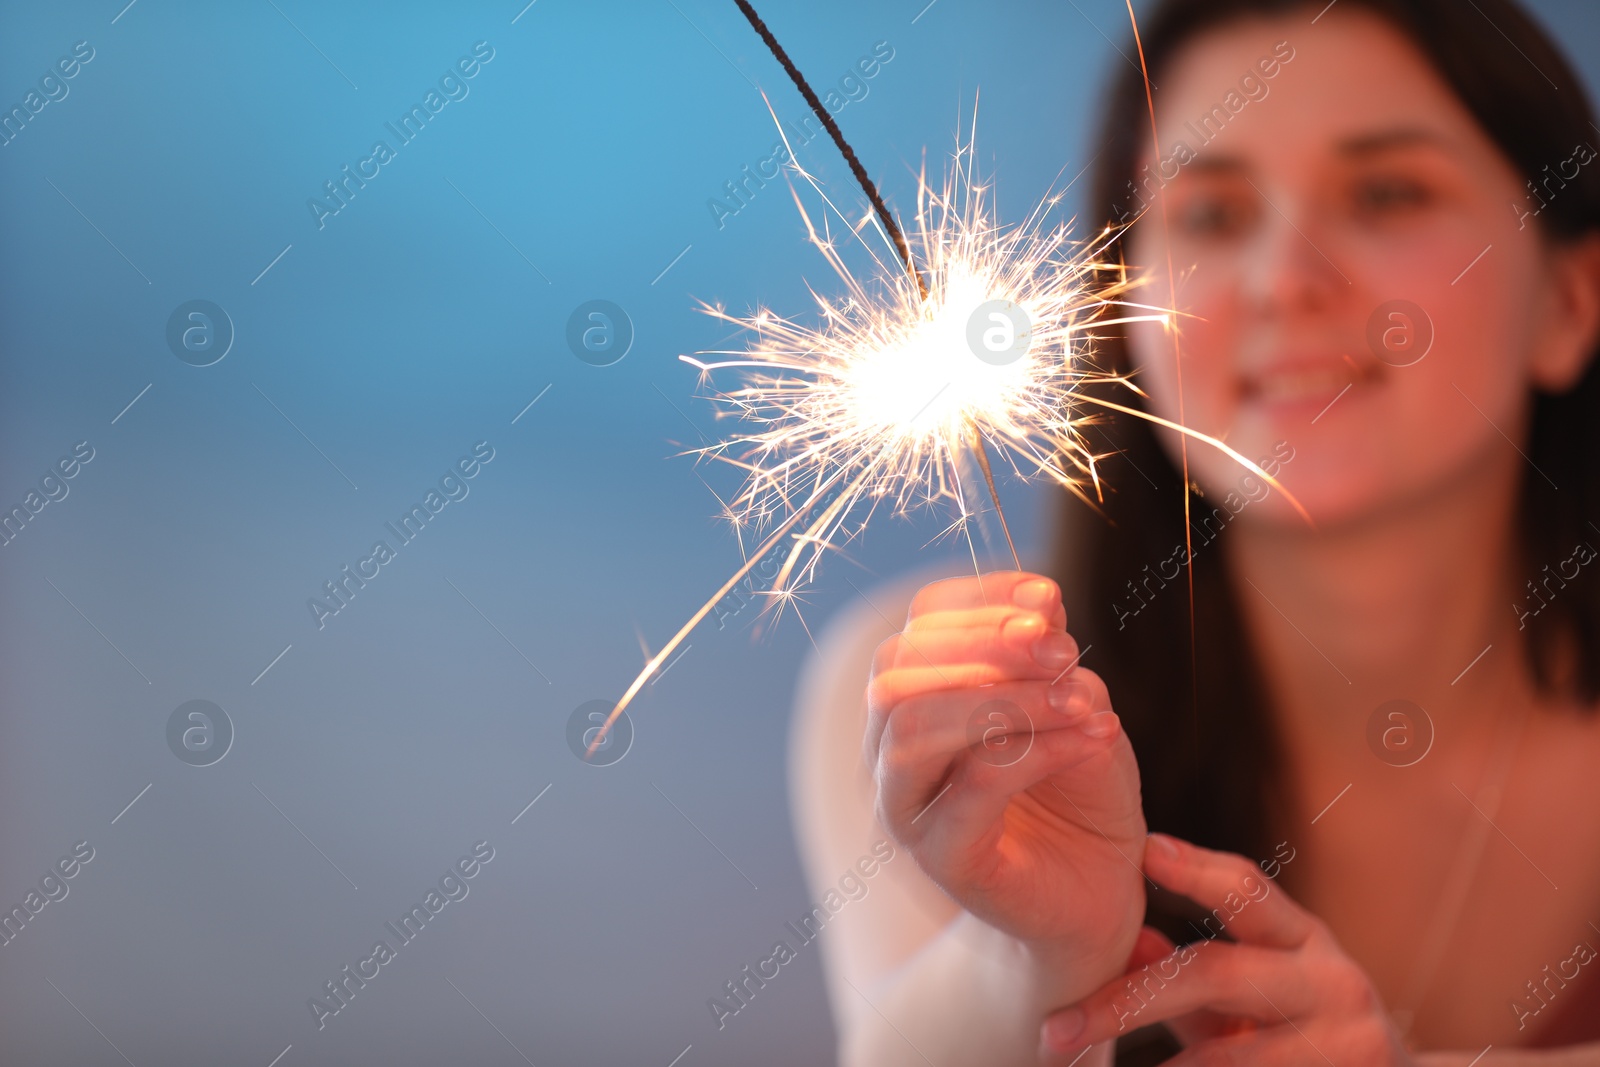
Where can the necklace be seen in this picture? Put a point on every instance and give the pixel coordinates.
(1464, 869)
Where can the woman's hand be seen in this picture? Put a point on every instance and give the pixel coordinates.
(1284, 993)
(1002, 769)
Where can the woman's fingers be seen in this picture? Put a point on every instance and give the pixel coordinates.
(1278, 972)
(921, 742)
(1264, 1000)
(1151, 946)
(956, 601)
(997, 587)
(939, 722)
(987, 614)
(1241, 900)
(1262, 984)
(1021, 647)
(968, 633)
(969, 808)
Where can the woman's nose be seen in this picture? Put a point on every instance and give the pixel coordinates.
(1291, 266)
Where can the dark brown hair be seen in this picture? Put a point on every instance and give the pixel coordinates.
(1202, 729)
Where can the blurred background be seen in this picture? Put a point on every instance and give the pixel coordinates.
(263, 375)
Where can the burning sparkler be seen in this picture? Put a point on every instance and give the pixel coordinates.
(910, 371)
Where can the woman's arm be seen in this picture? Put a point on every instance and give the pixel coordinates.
(911, 976)
(970, 995)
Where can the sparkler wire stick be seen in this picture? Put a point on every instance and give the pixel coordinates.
(884, 215)
(845, 150)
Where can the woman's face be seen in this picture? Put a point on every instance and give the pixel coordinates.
(1329, 219)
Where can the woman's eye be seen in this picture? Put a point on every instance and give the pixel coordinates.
(1382, 197)
(1214, 216)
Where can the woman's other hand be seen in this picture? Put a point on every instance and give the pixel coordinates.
(1283, 992)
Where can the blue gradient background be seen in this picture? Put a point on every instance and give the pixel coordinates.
(395, 337)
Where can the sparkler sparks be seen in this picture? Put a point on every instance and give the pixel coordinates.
(881, 400)
(892, 389)
(880, 403)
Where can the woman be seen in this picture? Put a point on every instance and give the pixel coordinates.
(1384, 219)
